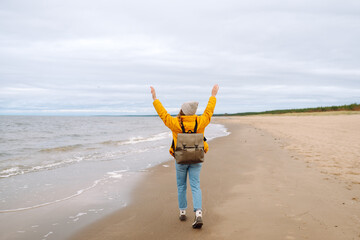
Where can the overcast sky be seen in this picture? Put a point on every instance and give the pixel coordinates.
(101, 57)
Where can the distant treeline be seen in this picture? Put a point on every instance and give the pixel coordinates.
(350, 107)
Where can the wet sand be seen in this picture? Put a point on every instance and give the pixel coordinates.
(266, 180)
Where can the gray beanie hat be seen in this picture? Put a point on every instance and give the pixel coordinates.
(189, 108)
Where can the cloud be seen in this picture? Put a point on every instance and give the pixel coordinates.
(91, 56)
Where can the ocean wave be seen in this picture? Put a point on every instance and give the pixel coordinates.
(215, 131)
(2, 154)
(61, 149)
(116, 174)
(10, 171)
(21, 169)
(139, 139)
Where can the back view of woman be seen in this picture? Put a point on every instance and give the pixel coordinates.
(188, 121)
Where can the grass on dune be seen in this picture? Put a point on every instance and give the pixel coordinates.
(343, 109)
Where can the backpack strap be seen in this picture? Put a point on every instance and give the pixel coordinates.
(195, 129)
(182, 126)
(183, 129)
(173, 145)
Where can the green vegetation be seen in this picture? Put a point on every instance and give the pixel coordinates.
(350, 107)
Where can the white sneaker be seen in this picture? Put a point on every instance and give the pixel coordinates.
(182, 216)
(198, 219)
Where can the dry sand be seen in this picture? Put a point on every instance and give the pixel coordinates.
(271, 178)
(330, 143)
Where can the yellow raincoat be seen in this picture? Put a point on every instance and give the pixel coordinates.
(188, 121)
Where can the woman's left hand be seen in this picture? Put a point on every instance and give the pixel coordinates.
(215, 90)
(153, 93)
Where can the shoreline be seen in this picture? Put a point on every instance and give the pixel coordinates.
(259, 190)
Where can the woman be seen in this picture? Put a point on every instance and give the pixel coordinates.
(188, 118)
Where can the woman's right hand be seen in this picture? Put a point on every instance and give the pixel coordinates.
(214, 90)
(153, 93)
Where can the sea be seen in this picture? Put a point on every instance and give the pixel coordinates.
(61, 173)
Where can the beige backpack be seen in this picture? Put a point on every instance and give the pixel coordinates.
(189, 147)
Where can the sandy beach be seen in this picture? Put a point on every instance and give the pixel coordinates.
(273, 177)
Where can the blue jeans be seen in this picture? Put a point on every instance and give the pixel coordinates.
(194, 177)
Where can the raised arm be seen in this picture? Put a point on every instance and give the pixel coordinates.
(168, 120)
(209, 110)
